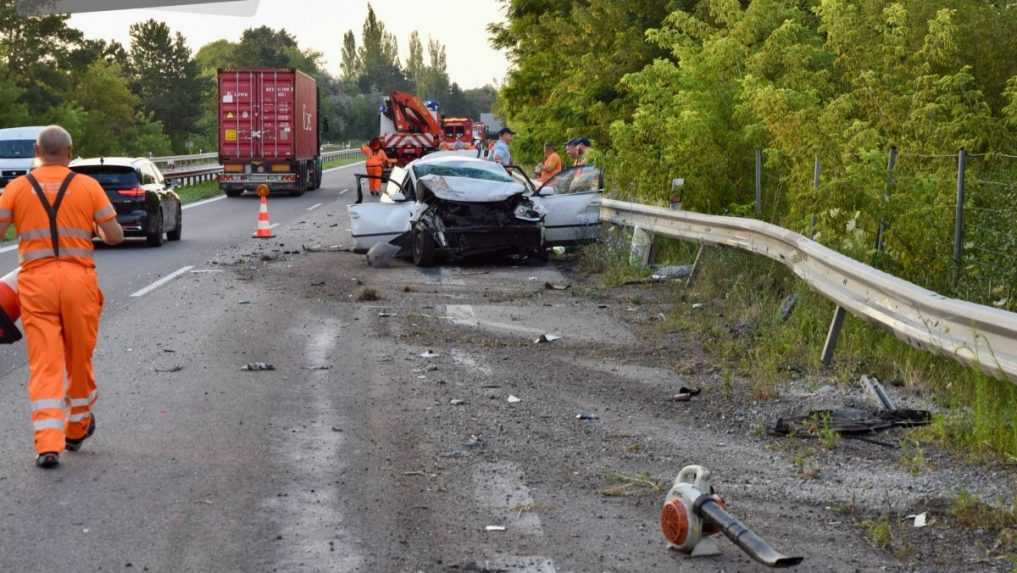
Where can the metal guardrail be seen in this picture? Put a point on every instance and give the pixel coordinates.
(979, 336)
(181, 168)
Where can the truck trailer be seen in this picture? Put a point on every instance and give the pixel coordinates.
(268, 131)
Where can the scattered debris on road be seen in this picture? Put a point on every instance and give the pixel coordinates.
(587, 417)
(849, 422)
(456, 402)
(496, 528)
(385, 314)
(171, 369)
(547, 338)
(554, 286)
(428, 354)
(514, 399)
(321, 367)
(919, 520)
(685, 394)
(257, 367)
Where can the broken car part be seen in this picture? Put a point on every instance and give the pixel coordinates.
(257, 367)
(849, 422)
(693, 513)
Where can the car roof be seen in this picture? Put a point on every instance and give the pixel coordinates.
(28, 132)
(107, 161)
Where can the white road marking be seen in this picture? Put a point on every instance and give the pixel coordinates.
(465, 315)
(500, 488)
(313, 207)
(273, 225)
(343, 167)
(203, 202)
(9, 248)
(162, 281)
(343, 192)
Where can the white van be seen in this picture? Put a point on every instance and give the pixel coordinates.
(17, 152)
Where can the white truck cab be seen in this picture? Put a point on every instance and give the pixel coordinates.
(17, 152)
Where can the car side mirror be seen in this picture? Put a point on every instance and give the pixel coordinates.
(545, 192)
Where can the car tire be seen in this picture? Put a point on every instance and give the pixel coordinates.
(155, 238)
(423, 248)
(178, 230)
(234, 192)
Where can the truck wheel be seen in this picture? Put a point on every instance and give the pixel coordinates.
(233, 192)
(423, 248)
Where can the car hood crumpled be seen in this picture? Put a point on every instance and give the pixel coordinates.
(469, 190)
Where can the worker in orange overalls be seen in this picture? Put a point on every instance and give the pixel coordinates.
(377, 160)
(56, 213)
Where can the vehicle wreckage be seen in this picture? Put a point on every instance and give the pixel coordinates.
(453, 205)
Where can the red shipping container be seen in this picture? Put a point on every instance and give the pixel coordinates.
(267, 114)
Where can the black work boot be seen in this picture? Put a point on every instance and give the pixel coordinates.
(47, 460)
(75, 445)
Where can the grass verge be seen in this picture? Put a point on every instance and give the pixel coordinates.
(734, 308)
(339, 163)
(204, 190)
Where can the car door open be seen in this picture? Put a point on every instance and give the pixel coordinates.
(571, 201)
(373, 223)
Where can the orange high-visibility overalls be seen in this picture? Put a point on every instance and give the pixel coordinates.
(55, 213)
(376, 161)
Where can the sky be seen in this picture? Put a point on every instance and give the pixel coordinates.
(320, 24)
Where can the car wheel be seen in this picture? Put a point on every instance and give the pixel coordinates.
(540, 257)
(177, 231)
(234, 192)
(423, 248)
(156, 236)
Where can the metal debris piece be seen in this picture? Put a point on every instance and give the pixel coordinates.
(671, 273)
(428, 354)
(169, 370)
(919, 520)
(878, 393)
(473, 442)
(587, 417)
(385, 314)
(495, 528)
(456, 402)
(321, 367)
(849, 422)
(547, 338)
(788, 306)
(257, 367)
(514, 399)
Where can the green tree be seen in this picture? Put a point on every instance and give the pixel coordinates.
(167, 80)
(415, 67)
(378, 58)
(350, 69)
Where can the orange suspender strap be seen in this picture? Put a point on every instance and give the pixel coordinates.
(51, 210)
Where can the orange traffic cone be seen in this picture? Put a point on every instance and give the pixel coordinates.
(10, 308)
(264, 227)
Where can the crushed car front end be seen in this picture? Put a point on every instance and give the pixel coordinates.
(469, 229)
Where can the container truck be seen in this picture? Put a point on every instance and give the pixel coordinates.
(268, 131)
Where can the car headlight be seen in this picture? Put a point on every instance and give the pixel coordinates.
(527, 212)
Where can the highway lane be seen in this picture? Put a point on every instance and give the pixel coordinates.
(210, 226)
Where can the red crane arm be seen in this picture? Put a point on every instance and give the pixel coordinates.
(409, 115)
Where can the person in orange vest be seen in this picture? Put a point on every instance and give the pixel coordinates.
(56, 213)
(377, 160)
(552, 164)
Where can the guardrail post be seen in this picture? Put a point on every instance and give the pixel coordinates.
(958, 225)
(642, 247)
(759, 183)
(832, 335)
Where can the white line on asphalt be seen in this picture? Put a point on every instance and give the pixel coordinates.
(204, 202)
(161, 281)
(343, 192)
(313, 207)
(343, 167)
(9, 248)
(273, 225)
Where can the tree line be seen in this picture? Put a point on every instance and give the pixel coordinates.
(692, 88)
(157, 96)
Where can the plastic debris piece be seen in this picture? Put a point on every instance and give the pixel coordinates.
(455, 402)
(384, 314)
(495, 528)
(788, 306)
(547, 338)
(514, 399)
(428, 354)
(697, 306)
(920, 520)
(685, 394)
(553, 286)
(587, 417)
(257, 367)
(850, 422)
(473, 442)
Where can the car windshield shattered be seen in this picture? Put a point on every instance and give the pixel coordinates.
(467, 169)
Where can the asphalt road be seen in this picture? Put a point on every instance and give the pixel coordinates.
(410, 412)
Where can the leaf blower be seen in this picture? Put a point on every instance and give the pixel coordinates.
(693, 514)
(10, 309)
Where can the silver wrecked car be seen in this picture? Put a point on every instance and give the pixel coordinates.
(454, 206)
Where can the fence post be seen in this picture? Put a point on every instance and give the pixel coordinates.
(890, 165)
(759, 183)
(958, 224)
(816, 170)
(642, 248)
